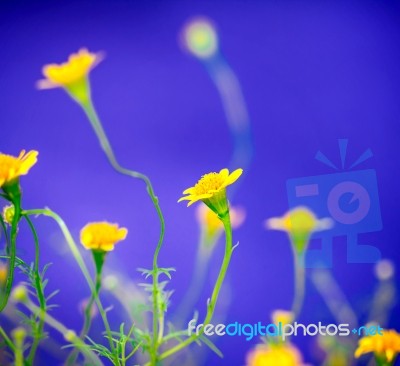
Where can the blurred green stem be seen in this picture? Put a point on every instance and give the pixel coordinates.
(299, 284)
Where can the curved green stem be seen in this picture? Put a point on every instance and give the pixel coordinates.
(12, 250)
(158, 319)
(299, 284)
(78, 257)
(214, 297)
(39, 292)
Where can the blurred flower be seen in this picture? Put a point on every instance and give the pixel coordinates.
(20, 294)
(384, 270)
(3, 273)
(274, 355)
(212, 224)
(282, 316)
(211, 189)
(8, 214)
(385, 347)
(102, 236)
(200, 38)
(11, 168)
(19, 335)
(72, 75)
(299, 223)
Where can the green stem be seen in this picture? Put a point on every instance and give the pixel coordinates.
(94, 119)
(299, 287)
(40, 295)
(78, 257)
(55, 324)
(12, 250)
(7, 340)
(99, 261)
(214, 297)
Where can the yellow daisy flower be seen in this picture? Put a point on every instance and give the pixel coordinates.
(275, 355)
(211, 189)
(11, 168)
(71, 75)
(102, 236)
(385, 347)
(299, 223)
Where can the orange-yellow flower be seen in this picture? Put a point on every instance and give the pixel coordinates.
(102, 236)
(211, 189)
(275, 355)
(386, 346)
(71, 75)
(11, 168)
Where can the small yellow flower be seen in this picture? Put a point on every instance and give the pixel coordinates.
(299, 223)
(8, 214)
(71, 75)
(275, 355)
(211, 189)
(282, 316)
(102, 236)
(19, 335)
(11, 168)
(20, 294)
(386, 346)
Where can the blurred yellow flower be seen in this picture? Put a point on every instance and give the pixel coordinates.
(299, 223)
(386, 346)
(282, 316)
(11, 168)
(211, 189)
(102, 236)
(200, 38)
(3, 273)
(212, 224)
(71, 75)
(8, 214)
(275, 355)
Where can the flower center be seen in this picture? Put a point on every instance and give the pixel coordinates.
(209, 182)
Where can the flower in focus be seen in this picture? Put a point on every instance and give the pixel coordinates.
(274, 355)
(212, 225)
(102, 236)
(211, 189)
(200, 38)
(8, 214)
(72, 75)
(385, 347)
(282, 316)
(299, 223)
(11, 167)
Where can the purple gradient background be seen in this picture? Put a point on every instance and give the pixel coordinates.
(311, 72)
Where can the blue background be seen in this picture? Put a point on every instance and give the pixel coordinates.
(311, 72)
